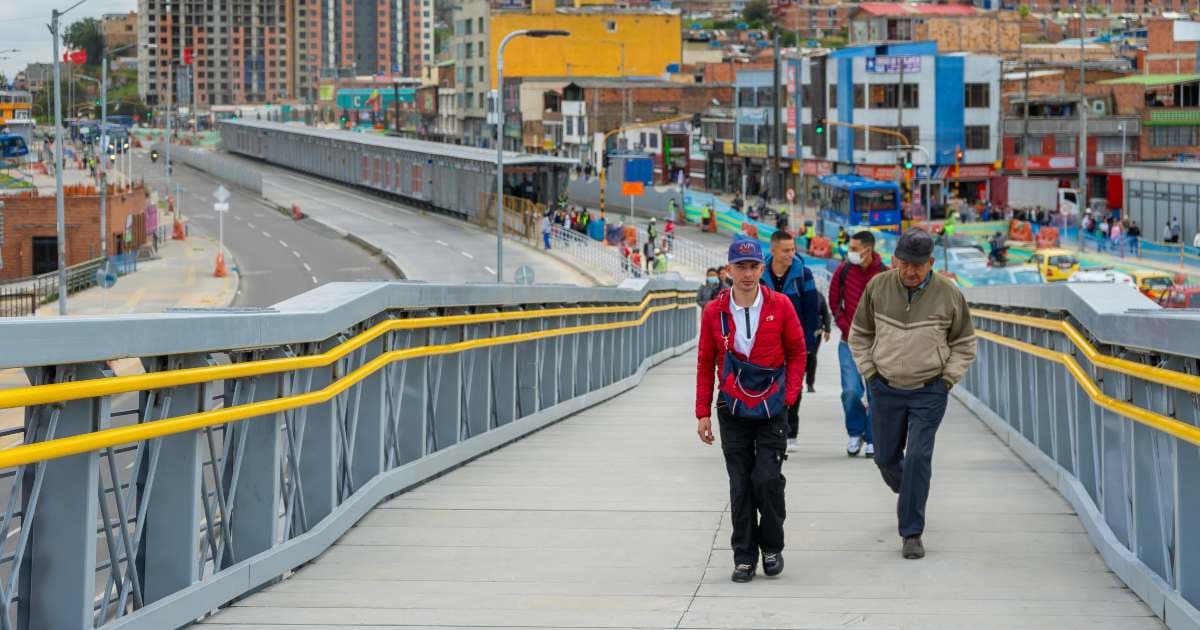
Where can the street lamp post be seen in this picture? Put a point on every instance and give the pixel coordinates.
(59, 211)
(539, 33)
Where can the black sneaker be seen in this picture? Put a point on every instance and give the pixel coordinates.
(743, 573)
(913, 549)
(811, 389)
(772, 563)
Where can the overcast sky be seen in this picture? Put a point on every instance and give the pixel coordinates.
(23, 26)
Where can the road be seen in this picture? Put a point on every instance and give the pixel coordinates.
(277, 257)
(426, 246)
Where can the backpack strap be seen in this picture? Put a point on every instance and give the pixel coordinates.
(725, 328)
(845, 271)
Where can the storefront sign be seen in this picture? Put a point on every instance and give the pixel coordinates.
(818, 167)
(752, 116)
(325, 93)
(1041, 162)
(886, 173)
(752, 150)
(892, 65)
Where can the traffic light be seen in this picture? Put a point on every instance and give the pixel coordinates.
(908, 163)
(696, 120)
(606, 160)
(820, 126)
(153, 155)
(958, 154)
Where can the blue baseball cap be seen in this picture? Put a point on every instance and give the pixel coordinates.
(745, 249)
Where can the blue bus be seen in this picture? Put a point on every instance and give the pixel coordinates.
(852, 201)
(12, 146)
(122, 120)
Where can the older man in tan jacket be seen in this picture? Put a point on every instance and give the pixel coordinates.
(912, 340)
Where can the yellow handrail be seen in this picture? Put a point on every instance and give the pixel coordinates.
(91, 388)
(1151, 419)
(1170, 378)
(88, 442)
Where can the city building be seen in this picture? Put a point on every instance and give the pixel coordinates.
(371, 37)
(814, 19)
(245, 52)
(119, 29)
(447, 125)
(1157, 192)
(37, 76)
(469, 46)
(944, 103)
(605, 41)
(954, 27)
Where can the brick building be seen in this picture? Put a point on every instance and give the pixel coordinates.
(955, 27)
(814, 19)
(1171, 47)
(119, 29)
(30, 244)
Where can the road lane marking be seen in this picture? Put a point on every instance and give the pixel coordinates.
(307, 268)
(296, 253)
(442, 243)
(467, 255)
(490, 270)
(314, 280)
(267, 234)
(250, 225)
(283, 243)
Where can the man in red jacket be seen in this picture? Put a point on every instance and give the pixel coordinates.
(764, 331)
(845, 290)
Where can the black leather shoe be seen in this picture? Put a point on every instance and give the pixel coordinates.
(913, 549)
(811, 389)
(743, 573)
(772, 563)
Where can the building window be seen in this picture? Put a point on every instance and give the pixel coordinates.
(653, 141)
(610, 26)
(745, 97)
(479, 49)
(885, 142)
(570, 122)
(1064, 145)
(977, 136)
(860, 96)
(977, 95)
(1173, 136)
(832, 96)
(481, 26)
(765, 96)
(886, 96)
(1019, 145)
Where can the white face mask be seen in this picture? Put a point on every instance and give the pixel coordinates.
(854, 258)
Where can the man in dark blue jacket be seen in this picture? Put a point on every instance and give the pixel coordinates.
(787, 274)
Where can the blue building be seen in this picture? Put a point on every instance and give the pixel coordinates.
(944, 103)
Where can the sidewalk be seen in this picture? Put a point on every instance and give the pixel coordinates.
(180, 278)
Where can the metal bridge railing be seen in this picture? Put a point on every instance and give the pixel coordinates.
(687, 253)
(255, 438)
(594, 256)
(1103, 400)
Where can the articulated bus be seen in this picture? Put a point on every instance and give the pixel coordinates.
(856, 202)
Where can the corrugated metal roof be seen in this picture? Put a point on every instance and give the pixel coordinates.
(441, 149)
(902, 9)
(1152, 79)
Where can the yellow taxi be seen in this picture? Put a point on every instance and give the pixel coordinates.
(1152, 284)
(1055, 265)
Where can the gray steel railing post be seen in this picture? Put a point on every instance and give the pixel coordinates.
(366, 418)
(252, 483)
(528, 364)
(477, 376)
(169, 561)
(504, 375)
(60, 513)
(446, 386)
(318, 448)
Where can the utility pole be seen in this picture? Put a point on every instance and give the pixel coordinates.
(900, 116)
(1083, 184)
(773, 184)
(1025, 125)
(102, 168)
(59, 211)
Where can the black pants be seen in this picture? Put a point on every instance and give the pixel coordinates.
(754, 453)
(904, 423)
(810, 367)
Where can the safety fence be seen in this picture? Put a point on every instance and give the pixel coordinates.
(214, 164)
(1102, 398)
(522, 217)
(254, 439)
(20, 298)
(594, 256)
(685, 253)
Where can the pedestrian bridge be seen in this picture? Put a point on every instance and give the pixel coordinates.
(432, 456)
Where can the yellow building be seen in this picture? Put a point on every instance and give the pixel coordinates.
(605, 41)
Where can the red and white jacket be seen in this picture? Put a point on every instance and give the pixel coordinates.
(779, 341)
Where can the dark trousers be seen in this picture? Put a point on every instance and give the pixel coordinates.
(904, 423)
(810, 367)
(754, 453)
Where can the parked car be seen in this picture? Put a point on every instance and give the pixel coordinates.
(1102, 274)
(1017, 274)
(1055, 264)
(1152, 284)
(1180, 297)
(960, 259)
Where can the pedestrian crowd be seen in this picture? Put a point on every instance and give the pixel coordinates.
(906, 340)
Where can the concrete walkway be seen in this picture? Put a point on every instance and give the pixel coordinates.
(617, 518)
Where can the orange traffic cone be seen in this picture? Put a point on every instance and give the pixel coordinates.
(296, 214)
(177, 233)
(220, 272)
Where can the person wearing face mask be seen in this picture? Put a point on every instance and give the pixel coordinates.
(912, 339)
(849, 281)
(709, 290)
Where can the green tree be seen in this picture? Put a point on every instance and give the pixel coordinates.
(86, 34)
(757, 11)
(1023, 11)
